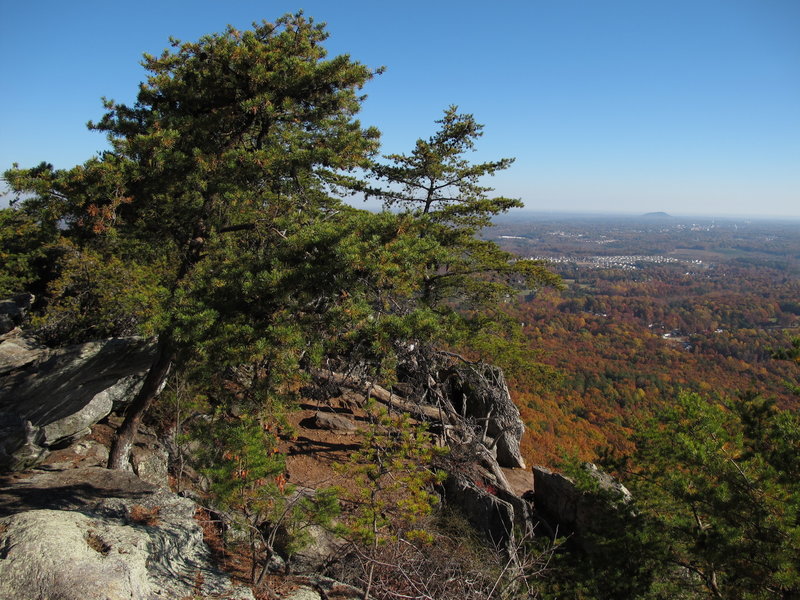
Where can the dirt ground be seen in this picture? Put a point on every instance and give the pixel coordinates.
(312, 452)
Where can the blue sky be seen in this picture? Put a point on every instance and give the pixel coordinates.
(686, 106)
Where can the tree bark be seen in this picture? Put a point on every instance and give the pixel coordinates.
(153, 382)
(379, 393)
(165, 354)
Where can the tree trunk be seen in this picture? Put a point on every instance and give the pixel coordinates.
(123, 440)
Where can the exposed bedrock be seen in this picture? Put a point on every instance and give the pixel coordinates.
(480, 393)
(123, 538)
(566, 508)
(50, 397)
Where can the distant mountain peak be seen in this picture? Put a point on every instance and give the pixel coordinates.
(659, 214)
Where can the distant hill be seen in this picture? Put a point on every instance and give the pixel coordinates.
(656, 215)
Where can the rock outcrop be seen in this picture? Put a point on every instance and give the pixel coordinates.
(480, 393)
(477, 403)
(18, 352)
(482, 493)
(485, 511)
(49, 398)
(123, 538)
(571, 511)
(150, 458)
(13, 310)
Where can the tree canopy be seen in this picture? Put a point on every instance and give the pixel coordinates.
(215, 222)
(714, 512)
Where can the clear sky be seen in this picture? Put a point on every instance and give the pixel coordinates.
(684, 106)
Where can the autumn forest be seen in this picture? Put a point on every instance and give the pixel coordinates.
(650, 306)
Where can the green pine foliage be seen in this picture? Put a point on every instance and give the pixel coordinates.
(437, 179)
(394, 475)
(438, 185)
(716, 498)
(98, 295)
(229, 152)
(26, 252)
(237, 135)
(248, 482)
(791, 353)
(722, 487)
(212, 223)
(467, 280)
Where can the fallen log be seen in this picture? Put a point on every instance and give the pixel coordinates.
(381, 394)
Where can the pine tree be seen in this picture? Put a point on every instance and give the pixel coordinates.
(393, 473)
(716, 499)
(437, 179)
(248, 479)
(232, 144)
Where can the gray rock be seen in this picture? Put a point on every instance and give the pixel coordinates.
(113, 536)
(17, 352)
(319, 551)
(83, 453)
(20, 443)
(321, 544)
(556, 497)
(327, 587)
(12, 311)
(334, 422)
(563, 505)
(521, 510)
(63, 392)
(6, 323)
(487, 513)
(150, 459)
(67, 555)
(303, 593)
(481, 393)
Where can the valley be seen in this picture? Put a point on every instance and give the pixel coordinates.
(650, 306)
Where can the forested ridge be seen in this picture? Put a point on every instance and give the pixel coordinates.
(216, 226)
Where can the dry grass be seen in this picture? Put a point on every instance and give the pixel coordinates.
(96, 543)
(143, 515)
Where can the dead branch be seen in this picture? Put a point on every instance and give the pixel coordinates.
(379, 393)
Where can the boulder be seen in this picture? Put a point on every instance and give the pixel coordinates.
(150, 459)
(12, 311)
(17, 352)
(316, 586)
(303, 592)
(486, 470)
(123, 538)
(321, 548)
(20, 443)
(6, 323)
(563, 505)
(86, 452)
(480, 393)
(106, 560)
(61, 393)
(486, 512)
(334, 422)
(556, 497)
